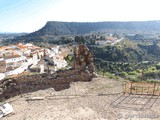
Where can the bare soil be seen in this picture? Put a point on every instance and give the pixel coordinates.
(99, 99)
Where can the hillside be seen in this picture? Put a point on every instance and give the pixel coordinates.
(52, 29)
(127, 59)
(70, 28)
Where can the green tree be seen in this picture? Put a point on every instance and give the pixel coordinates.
(80, 39)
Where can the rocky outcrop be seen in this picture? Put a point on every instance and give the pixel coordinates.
(83, 59)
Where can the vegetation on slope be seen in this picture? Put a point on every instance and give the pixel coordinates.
(128, 60)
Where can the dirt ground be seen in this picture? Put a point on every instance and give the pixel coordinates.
(100, 99)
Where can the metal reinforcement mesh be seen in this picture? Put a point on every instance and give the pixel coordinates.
(142, 88)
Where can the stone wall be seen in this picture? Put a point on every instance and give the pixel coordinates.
(83, 70)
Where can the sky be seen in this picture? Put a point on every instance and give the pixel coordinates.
(31, 15)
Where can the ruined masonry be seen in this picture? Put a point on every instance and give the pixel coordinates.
(82, 70)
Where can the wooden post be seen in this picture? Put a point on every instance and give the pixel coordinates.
(136, 91)
(154, 88)
(148, 91)
(131, 88)
(124, 88)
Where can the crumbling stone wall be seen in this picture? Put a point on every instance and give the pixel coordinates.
(83, 59)
(83, 70)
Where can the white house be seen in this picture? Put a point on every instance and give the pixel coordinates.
(29, 45)
(34, 55)
(16, 71)
(53, 51)
(41, 53)
(19, 52)
(102, 42)
(60, 63)
(14, 58)
(47, 52)
(30, 60)
(26, 52)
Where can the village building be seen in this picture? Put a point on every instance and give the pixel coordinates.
(102, 42)
(1, 57)
(16, 59)
(2, 69)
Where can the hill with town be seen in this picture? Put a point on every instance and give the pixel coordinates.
(124, 55)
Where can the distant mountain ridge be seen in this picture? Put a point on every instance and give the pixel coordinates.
(55, 28)
(71, 28)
